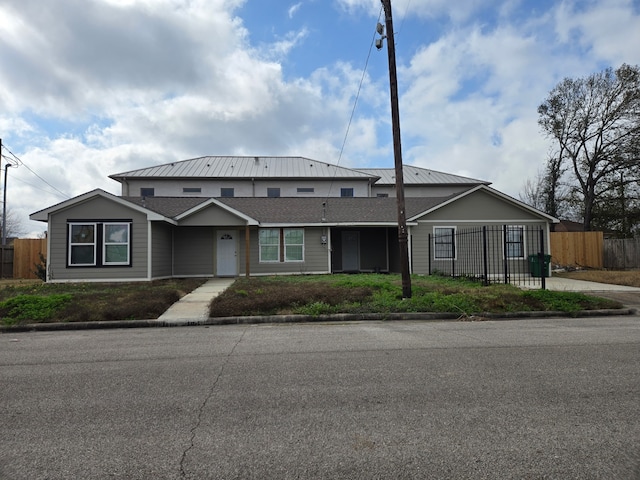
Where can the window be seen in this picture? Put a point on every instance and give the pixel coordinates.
(293, 245)
(382, 195)
(269, 239)
(273, 192)
(192, 190)
(514, 241)
(346, 192)
(95, 244)
(116, 244)
(306, 189)
(147, 192)
(281, 244)
(82, 244)
(226, 192)
(444, 242)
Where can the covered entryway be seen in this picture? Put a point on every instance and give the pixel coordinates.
(351, 251)
(366, 249)
(226, 253)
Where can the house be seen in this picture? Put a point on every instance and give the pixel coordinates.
(229, 216)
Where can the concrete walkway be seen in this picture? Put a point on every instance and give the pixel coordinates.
(571, 285)
(195, 305)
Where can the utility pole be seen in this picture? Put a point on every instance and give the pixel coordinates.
(4, 206)
(397, 149)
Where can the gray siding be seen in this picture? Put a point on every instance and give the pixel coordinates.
(193, 251)
(246, 187)
(161, 239)
(316, 255)
(212, 216)
(420, 190)
(483, 207)
(97, 209)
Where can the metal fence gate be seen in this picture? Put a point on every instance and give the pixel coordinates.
(491, 254)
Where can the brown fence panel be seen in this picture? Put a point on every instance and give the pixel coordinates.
(6, 261)
(27, 255)
(582, 249)
(622, 253)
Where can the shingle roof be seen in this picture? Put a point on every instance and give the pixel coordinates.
(412, 175)
(245, 167)
(288, 210)
(168, 206)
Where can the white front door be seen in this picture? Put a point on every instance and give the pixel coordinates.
(226, 253)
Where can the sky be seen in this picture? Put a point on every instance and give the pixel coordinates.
(89, 88)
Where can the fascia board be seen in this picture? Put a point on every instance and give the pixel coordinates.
(213, 201)
(334, 224)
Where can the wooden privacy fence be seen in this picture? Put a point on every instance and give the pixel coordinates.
(622, 253)
(581, 249)
(27, 255)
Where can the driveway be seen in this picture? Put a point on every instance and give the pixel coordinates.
(628, 296)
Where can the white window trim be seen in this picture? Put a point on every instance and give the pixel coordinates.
(105, 243)
(269, 245)
(71, 244)
(293, 245)
(455, 250)
(524, 242)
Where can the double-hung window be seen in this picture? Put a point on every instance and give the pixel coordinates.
(82, 244)
(293, 245)
(99, 244)
(269, 239)
(514, 241)
(116, 244)
(281, 244)
(444, 242)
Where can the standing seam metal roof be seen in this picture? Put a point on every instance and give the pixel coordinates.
(420, 176)
(246, 167)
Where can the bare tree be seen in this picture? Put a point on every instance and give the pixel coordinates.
(15, 228)
(595, 122)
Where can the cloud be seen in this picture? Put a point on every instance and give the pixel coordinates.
(293, 9)
(124, 84)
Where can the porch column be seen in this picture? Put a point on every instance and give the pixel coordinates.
(247, 250)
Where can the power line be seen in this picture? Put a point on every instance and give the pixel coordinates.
(355, 104)
(21, 162)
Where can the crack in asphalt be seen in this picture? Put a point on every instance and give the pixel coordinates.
(194, 429)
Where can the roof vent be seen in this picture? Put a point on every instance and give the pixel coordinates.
(257, 159)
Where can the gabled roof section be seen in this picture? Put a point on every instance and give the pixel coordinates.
(43, 215)
(491, 191)
(168, 206)
(246, 167)
(420, 176)
(216, 202)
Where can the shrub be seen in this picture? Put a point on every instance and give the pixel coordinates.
(32, 307)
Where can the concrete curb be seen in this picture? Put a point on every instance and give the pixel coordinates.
(276, 319)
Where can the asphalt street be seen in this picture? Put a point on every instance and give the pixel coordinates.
(552, 399)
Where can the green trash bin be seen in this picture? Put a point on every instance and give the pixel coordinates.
(536, 269)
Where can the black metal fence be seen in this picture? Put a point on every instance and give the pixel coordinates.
(491, 254)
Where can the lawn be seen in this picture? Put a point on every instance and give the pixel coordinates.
(369, 293)
(24, 302)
